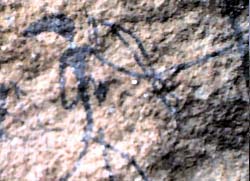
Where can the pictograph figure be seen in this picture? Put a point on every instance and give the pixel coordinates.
(75, 56)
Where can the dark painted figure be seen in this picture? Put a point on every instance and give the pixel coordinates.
(75, 57)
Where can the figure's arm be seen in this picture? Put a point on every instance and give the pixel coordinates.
(119, 68)
(93, 35)
(116, 30)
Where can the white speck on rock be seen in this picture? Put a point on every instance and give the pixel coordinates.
(134, 82)
(2, 103)
(162, 69)
(3, 48)
(16, 141)
(201, 94)
(34, 56)
(111, 110)
(145, 95)
(72, 45)
(10, 20)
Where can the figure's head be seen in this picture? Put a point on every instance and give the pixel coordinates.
(58, 23)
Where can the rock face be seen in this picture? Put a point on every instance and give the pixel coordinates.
(124, 90)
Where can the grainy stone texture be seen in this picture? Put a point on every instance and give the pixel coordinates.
(205, 140)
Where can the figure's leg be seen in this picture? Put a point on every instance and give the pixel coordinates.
(63, 65)
(107, 166)
(82, 85)
(77, 163)
(131, 161)
(89, 113)
(87, 134)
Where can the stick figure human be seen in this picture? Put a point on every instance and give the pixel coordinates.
(75, 56)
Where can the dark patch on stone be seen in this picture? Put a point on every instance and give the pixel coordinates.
(223, 124)
(3, 95)
(58, 23)
(1, 133)
(101, 91)
(228, 129)
(246, 69)
(232, 8)
(242, 44)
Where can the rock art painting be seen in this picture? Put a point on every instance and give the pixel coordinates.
(162, 83)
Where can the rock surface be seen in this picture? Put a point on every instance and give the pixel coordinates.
(176, 110)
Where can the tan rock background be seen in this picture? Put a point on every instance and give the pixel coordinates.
(207, 139)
